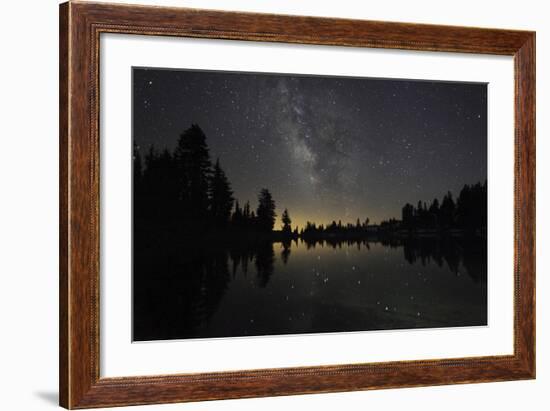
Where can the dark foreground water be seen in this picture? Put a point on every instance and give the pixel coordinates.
(274, 288)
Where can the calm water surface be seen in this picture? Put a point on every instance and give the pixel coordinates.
(297, 287)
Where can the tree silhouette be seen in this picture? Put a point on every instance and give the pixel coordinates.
(156, 192)
(193, 169)
(434, 213)
(285, 218)
(246, 210)
(407, 216)
(249, 219)
(471, 206)
(221, 197)
(447, 211)
(237, 217)
(468, 213)
(265, 213)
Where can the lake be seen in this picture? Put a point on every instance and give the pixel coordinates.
(273, 288)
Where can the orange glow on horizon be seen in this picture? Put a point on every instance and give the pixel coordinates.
(300, 221)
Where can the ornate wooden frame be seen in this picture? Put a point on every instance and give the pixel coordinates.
(81, 24)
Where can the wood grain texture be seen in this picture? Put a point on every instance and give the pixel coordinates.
(63, 205)
(525, 203)
(80, 27)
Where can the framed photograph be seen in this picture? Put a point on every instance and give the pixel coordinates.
(258, 205)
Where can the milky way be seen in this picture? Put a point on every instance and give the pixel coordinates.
(329, 148)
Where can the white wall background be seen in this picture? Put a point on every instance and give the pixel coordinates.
(29, 191)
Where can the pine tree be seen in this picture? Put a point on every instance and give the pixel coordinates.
(193, 168)
(221, 197)
(237, 217)
(407, 216)
(285, 218)
(434, 213)
(447, 211)
(265, 212)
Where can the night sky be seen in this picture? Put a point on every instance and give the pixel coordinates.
(328, 148)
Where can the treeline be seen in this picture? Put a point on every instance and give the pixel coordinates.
(468, 212)
(182, 190)
(335, 229)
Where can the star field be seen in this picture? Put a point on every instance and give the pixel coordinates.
(328, 148)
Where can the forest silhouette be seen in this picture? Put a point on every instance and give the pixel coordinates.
(184, 201)
(181, 194)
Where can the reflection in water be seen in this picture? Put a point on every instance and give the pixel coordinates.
(266, 288)
(285, 254)
(264, 261)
